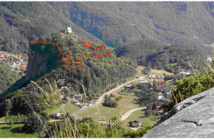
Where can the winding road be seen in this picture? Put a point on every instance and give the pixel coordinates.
(128, 113)
(107, 93)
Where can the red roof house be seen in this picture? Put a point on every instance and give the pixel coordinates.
(159, 87)
(173, 86)
(155, 111)
(23, 67)
(160, 80)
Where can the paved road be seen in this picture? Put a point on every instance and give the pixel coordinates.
(114, 89)
(102, 97)
(128, 113)
(1, 122)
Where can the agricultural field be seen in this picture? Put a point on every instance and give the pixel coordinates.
(102, 113)
(69, 107)
(140, 114)
(159, 72)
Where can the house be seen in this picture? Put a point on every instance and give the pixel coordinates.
(61, 95)
(25, 58)
(73, 93)
(209, 59)
(159, 87)
(78, 97)
(78, 103)
(143, 81)
(186, 72)
(160, 80)
(135, 123)
(61, 83)
(56, 113)
(12, 64)
(23, 67)
(180, 68)
(158, 96)
(166, 89)
(173, 86)
(35, 91)
(69, 29)
(167, 92)
(152, 76)
(88, 104)
(157, 111)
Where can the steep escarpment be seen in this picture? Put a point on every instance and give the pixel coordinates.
(190, 118)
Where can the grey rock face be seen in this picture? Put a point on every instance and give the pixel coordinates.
(192, 118)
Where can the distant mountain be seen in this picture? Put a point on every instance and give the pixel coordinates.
(120, 22)
(160, 56)
(19, 20)
(138, 50)
(112, 22)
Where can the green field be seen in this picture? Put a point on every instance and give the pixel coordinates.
(69, 107)
(160, 72)
(7, 132)
(105, 113)
(2, 119)
(139, 114)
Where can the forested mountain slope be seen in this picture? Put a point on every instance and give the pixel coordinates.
(19, 20)
(112, 22)
(120, 22)
(96, 74)
(160, 56)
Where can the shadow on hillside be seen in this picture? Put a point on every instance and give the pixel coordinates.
(5, 128)
(19, 130)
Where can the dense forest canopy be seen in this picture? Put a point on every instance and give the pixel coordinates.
(161, 56)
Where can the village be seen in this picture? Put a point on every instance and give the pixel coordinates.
(17, 63)
(160, 89)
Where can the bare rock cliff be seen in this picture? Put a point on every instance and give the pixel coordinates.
(191, 118)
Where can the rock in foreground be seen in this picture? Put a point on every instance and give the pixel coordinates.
(191, 118)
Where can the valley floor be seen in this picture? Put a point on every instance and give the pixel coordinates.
(6, 131)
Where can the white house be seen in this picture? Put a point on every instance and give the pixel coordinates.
(69, 29)
(185, 72)
(144, 81)
(158, 96)
(209, 59)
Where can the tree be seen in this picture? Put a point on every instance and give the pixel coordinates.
(154, 106)
(11, 122)
(34, 123)
(148, 113)
(8, 106)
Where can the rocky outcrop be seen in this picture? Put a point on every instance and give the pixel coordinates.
(193, 117)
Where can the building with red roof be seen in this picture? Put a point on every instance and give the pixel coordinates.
(160, 80)
(23, 67)
(156, 111)
(173, 86)
(159, 87)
